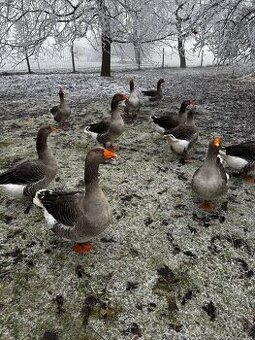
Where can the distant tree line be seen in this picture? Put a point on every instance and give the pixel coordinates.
(226, 27)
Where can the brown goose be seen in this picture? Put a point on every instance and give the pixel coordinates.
(62, 111)
(155, 94)
(169, 121)
(79, 216)
(110, 128)
(210, 180)
(133, 103)
(183, 136)
(242, 158)
(28, 176)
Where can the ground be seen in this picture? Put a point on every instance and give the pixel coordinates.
(163, 269)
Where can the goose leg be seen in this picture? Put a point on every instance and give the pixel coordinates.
(69, 233)
(244, 173)
(28, 208)
(248, 178)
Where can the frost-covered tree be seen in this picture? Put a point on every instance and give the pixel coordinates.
(24, 28)
(228, 28)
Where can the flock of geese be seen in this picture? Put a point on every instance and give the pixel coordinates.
(81, 215)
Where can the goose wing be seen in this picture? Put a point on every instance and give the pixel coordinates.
(63, 206)
(25, 172)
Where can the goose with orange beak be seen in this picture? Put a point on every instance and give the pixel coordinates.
(110, 128)
(26, 177)
(210, 180)
(82, 215)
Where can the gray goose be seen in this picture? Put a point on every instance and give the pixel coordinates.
(210, 180)
(170, 120)
(183, 136)
(26, 177)
(242, 158)
(62, 111)
(133, 102)
(109, 128)
(79, 216)
(155, 95)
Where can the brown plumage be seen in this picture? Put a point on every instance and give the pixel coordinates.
(210, 180)
(157, 94)
(172, 119)
(79, 216)
(62, 111)
(28, 176)
(183, 136)
(109, 129)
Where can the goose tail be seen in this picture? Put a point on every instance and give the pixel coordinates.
(90, 133)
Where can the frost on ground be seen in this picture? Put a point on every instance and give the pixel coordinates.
(163, 269)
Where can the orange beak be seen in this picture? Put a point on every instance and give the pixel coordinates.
(52, 129)
(109, 154)
(216, 141)
(125, 98)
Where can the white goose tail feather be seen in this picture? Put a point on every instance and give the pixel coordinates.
(92, 134)
(48, 217)
(36, 199)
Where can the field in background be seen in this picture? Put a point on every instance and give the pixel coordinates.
(86, 58)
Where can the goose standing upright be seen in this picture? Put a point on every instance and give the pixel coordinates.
(183, 136)
(157, 94)
(79, 216)
(242, 158)
(169, 121)
(109, 129)
(26, 177)
(133, 103)
(210, 180)
(62, 111)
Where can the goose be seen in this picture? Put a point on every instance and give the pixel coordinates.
(133, 102)
(109, 128)
(79, 216)
(155, 95)
(26, 177)
(210, 180)
(242, 158)
(183, 136)
(168, 121)
(62, 111)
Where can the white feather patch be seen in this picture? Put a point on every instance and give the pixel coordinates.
(158, 128)
(15, 190)
(92, 134)
(235, 162)
(37, 201)
(179, 145)
(49, 218)
(133, 99)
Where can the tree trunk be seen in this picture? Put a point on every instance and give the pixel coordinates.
(181, 51)
(106, 56)
(137, 48)
(28, 63)
(72, 55)
(202, 58)
(163, 58)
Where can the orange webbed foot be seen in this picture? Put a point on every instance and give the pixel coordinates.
(248, 179)
(207, 206)
(82, 248)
